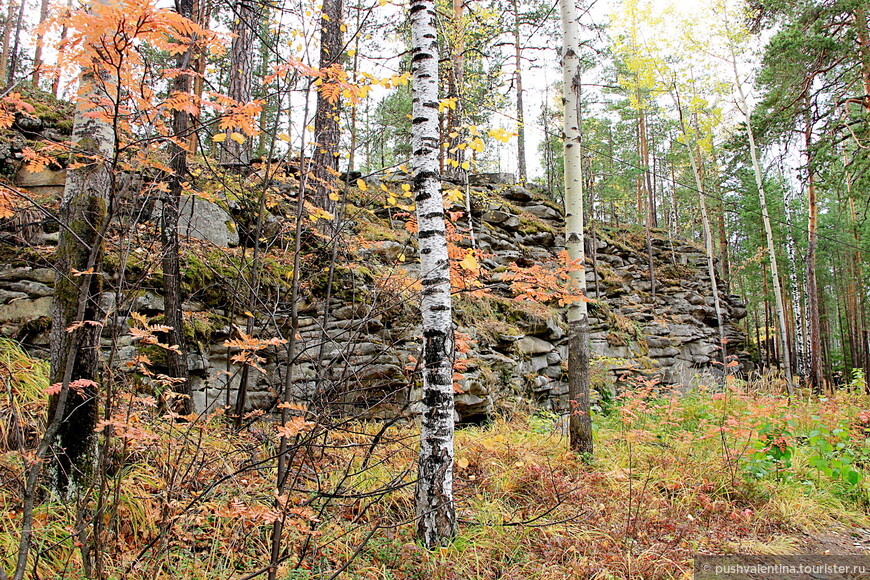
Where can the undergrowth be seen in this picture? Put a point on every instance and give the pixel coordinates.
(714, 471)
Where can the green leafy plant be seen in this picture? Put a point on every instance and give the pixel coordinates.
(832, 455)
(774, 450)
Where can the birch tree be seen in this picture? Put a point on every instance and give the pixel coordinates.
(732, 38)
(580, 422)
(436, 515)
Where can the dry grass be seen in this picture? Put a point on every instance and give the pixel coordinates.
(667, 482)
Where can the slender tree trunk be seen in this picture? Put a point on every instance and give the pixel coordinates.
(675, 207)
(454, 155)
(64, 31)
(14, 56)
(201, 15)
(646, 188)
(769, 348)
(518, 86)
(176, 359)
(798, 334)
(7, 40)
(708, 237)
(37, 56)
(580, 420)
(768, 230)
(436, 514)
(862, 32)
(859, 298)
(816, 367)
(326, 130)
(234, 155)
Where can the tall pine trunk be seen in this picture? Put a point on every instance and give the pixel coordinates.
(37, 56)
(435, 511)
(326, 130)
(580, 420)
(813, 315)
(176, 359)
(234, 155)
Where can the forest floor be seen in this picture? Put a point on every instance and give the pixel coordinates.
(739, 470)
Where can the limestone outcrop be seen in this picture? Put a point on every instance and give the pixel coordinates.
(361, 352)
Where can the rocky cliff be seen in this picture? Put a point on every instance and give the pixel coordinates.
(359, 349)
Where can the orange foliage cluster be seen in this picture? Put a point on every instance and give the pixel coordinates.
(547, 285)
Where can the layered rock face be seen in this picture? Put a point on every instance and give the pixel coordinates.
(361, 353)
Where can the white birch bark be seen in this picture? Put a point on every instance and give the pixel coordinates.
(765, 216)
(797, 308)
(580, 422)
(436, 515)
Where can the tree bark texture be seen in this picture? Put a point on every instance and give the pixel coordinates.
(436, 515)
(768, 230)
(580, 420)
(814, 319)
(326, 130)
(75, 355)
(518, 82)
(14, 56)
(172, 314)
(37, 56)
(7, 39)
(233, 154)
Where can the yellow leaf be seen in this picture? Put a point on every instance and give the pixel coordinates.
(454, 195)
(462, 463)
(362, 185)
(391, 200)
(237, 137)
(406, 187)
(284, 137)
(334, 196)
(382, 2)
(219, 138)
(401, 257)
(466, 166)
(469, 262)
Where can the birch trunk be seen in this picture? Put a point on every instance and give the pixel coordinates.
(768, 230)
(580, 422)
(436, 514)
(800, 362)
(708, 236)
